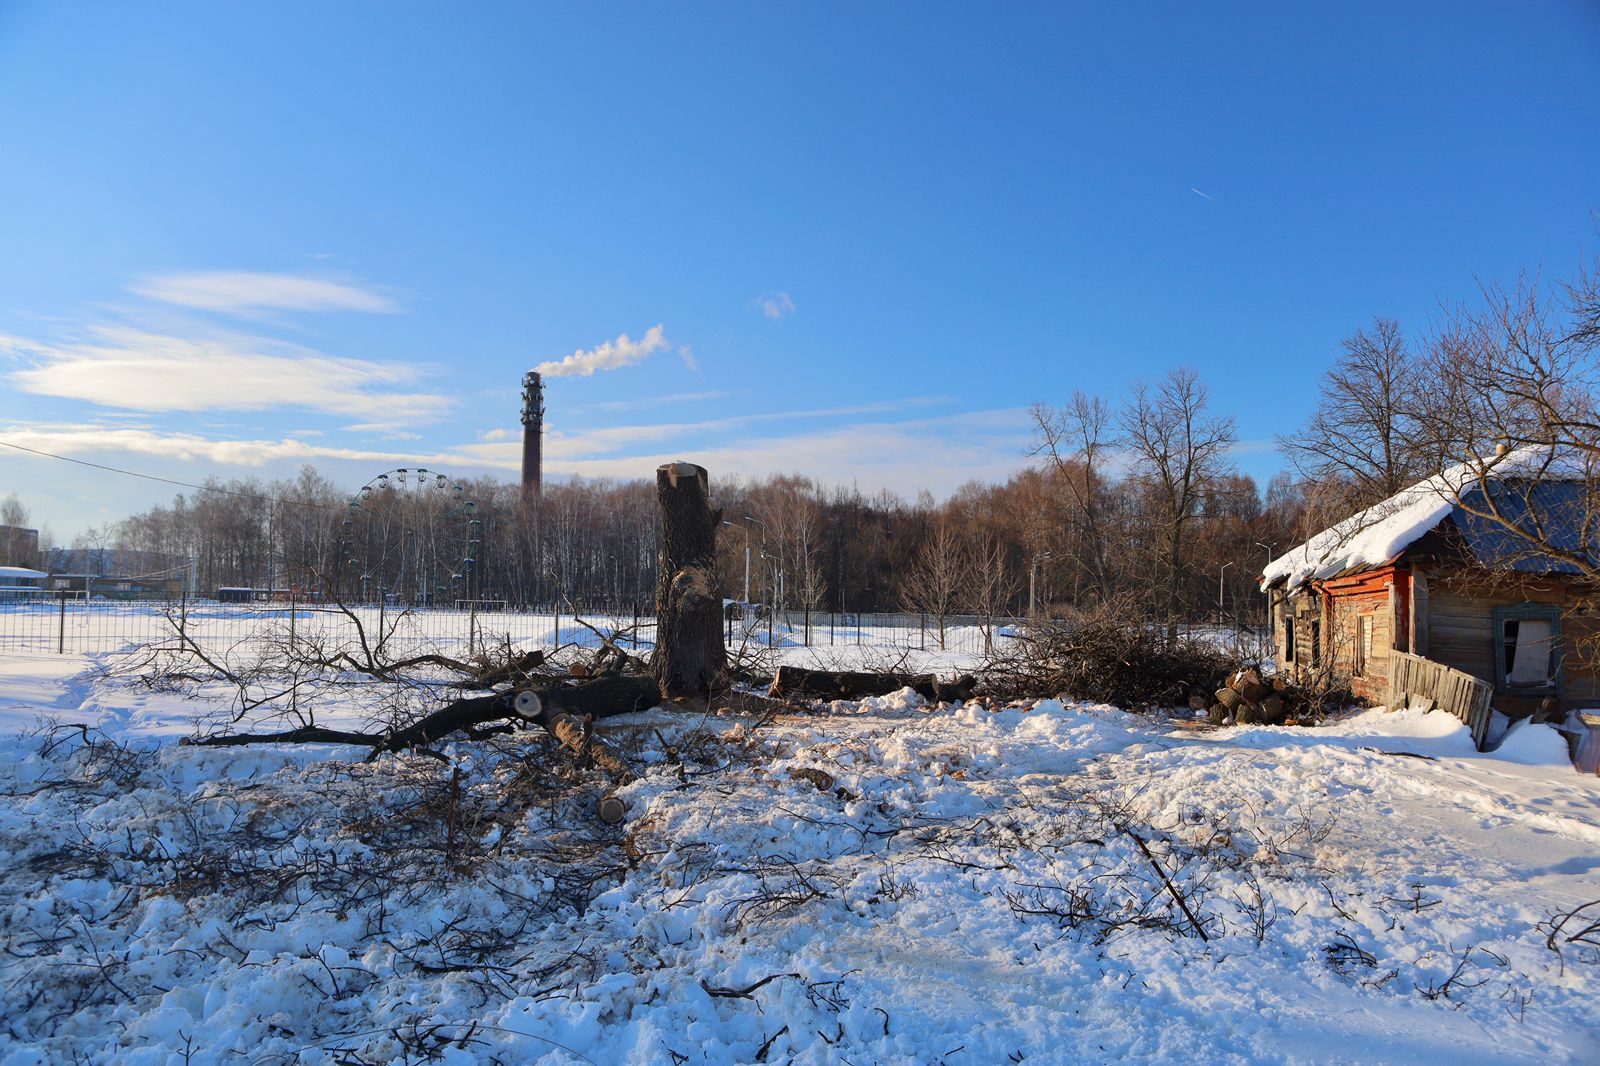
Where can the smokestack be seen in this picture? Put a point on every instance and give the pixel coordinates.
(532, 435)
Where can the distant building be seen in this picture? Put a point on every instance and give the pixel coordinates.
(19, 546)
(20, 583)
(115, 574)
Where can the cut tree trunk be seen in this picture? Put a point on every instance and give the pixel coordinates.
(689, 660)
(850, 684)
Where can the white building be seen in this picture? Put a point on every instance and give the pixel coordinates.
(21, 583)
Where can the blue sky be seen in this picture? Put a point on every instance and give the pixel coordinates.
(853, 241)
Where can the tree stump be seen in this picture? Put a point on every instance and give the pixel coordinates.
(690, 659)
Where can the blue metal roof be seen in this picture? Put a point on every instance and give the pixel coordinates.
(1551, 511)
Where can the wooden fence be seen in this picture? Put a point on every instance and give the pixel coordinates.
(1415, 681)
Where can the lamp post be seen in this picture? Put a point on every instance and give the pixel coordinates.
(1269, 549)
(763, 525)
(1220, 574)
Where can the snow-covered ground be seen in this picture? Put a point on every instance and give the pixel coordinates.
(962, 886)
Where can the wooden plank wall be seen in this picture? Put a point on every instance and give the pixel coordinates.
(1341, 640)
(1461, 632)
(1460, 628)
(1413, 679)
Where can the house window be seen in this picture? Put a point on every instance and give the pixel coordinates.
(1527, 649)
(1288, 638)
(1363, 649)
(1316, 644)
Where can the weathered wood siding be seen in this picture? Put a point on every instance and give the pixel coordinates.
(1372, 683)
(1461, 631)
(1460, 628)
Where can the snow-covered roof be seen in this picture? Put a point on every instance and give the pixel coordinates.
(1377, 535)
(19, 572)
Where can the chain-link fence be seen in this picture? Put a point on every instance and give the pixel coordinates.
(75, 625)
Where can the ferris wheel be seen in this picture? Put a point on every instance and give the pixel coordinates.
(411, 535)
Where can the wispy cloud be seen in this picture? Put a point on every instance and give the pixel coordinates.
(243, 292)
(905, 457)
(78, 440)
(608, 355)
(777, 305)
(589, 443)
(654, 401)
(134, 369)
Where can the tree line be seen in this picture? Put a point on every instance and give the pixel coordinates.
(1133, 502)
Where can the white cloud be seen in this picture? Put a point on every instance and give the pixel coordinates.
(76, 440)
(599, 441)
(905, 457)
(244, 292)
(134, 369)
(609, 355)
(777, 305)
(937, 454)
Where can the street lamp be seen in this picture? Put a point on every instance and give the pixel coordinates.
(763, 525)
(1221, 572)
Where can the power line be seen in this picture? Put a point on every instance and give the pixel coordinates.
(170, 481)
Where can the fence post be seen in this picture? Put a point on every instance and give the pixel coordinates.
(808, 625)
(635, 630)
(922, 630)
(472, 627)
(61, 625)
(294, 683)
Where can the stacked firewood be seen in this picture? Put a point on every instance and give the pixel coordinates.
(1247, 698)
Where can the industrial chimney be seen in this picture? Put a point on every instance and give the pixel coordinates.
(532, 435)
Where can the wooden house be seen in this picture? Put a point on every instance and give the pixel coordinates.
(1430, 574)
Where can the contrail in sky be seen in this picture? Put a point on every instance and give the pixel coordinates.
(1197, 192)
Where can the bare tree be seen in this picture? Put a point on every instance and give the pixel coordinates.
(1513, 384)
(1179, 450)
(13, 512)
(938, 572)
(1363, 435)
(1075, 441)
(993, 581)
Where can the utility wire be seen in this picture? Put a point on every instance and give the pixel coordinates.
(170, 481)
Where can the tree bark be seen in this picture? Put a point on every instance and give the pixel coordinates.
(851, 684)
(689, 660)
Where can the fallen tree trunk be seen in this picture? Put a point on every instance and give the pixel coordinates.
(603, 697)
(853, 684)
(563, 711)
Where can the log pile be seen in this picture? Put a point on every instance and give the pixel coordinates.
(1247, 698)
